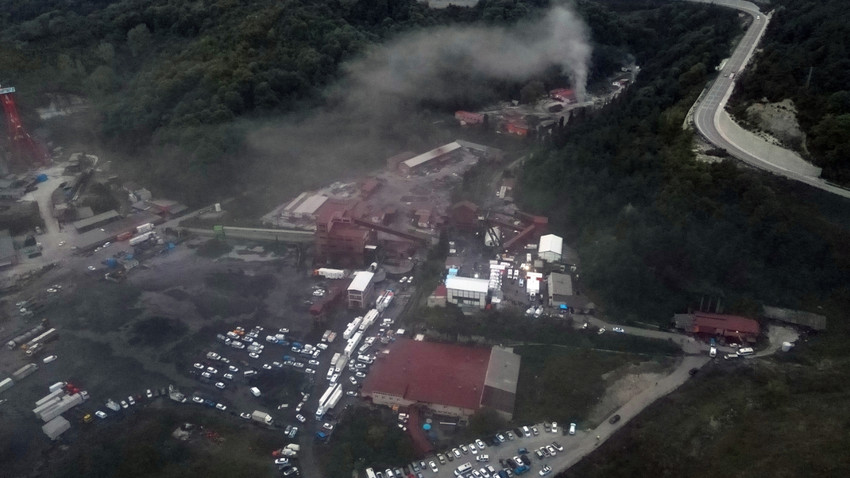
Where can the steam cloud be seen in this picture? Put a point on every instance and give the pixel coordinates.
(416, 66)
(370, 111)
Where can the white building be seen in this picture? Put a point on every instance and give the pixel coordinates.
(550, 248)
(466, 291)
(532, 282)
(361, 290)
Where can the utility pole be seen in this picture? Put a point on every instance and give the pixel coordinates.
(809, 77)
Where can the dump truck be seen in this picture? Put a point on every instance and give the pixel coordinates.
(262, 417)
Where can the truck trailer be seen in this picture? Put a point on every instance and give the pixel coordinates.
(141, 238)
(6, 384)
(25, 337)
(24, 371)
(43, 338)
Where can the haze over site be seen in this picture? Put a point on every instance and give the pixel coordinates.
(391, 82)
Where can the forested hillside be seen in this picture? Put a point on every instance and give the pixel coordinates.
(656, 230)
(805, 56)
(176, 86)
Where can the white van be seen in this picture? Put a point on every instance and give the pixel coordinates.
(255, 391)
(746, 351)
(465, 468)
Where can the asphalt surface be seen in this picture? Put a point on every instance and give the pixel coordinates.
(707, 117)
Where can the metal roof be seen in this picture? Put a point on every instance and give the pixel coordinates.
(551, 243)
(799, 317)
(467, 284)
(433, 154)
(310, 205)
(98, 219)
(361, 281)
(560, 284)
(431, 372)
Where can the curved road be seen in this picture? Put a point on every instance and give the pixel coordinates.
(709, 108)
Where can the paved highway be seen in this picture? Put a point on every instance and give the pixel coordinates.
(709, 108)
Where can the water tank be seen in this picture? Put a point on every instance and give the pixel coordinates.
(786, 346)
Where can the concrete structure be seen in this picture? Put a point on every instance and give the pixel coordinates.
(706, 324)
(500, 383)
(85, 225)
(442, 153)
(449, 379)
(56, 427)
(338, 239)
(8, 256)
(467, 292)
(560, 289)
(361, 291)
(550, 248)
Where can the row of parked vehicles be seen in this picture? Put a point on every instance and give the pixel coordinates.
(518, 464)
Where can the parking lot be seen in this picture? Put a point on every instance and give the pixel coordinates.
(500, 452)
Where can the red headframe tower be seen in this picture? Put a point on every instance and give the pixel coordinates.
(25, 150)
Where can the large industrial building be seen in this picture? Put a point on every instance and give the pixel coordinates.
(730, 327)
(449, 379)
(425, 159)
(550, 248)
(467, 292)
(361, 291)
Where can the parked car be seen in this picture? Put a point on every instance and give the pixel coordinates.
(614, 419)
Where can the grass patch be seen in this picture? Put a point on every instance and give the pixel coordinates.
(561, 384)
(103, 307)
(756, 419)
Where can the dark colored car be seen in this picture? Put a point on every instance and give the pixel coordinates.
(614, 419)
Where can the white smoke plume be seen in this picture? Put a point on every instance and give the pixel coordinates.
(375, 110)
(416, 66)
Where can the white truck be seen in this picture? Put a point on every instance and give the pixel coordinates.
(144, 228)
(262, 417)
(142, 238)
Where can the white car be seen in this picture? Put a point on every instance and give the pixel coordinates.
(712, 352)
(221, 406)
(92, 268)
(49, 358)
(245, 415)
(619, 330)
(197, 399)
(220, 385)
(572, 428)
(130, 400)
(206, 375)
(228, 376)
(124, 404)
(253, 355)
(233, 369)
(433, 466)
(545, 470)
(300, 418)
(198, 366)
(601, 331)
(352, 380)
(267, 366)
(212, 370)
(148, 393)
(479, 443)
(100, 414)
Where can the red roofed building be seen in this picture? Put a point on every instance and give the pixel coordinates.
(449, 379)
(338, 240)
(719, 325)
(464, 215)
(466, 117)
(438, 297)
(563, 94)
